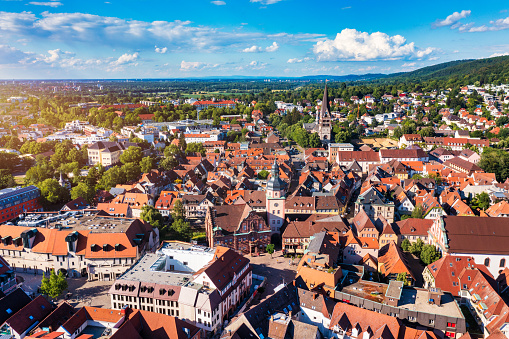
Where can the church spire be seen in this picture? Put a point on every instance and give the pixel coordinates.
(325, 103)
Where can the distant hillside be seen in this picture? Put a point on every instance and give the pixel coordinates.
(350, 77)
(490, 70)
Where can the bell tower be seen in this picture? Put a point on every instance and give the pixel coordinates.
(275, 200)
(324, 123)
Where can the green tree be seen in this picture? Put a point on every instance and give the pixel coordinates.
(53, 286)
(52, 192)
(402, 277)
(133, 154)
(147, 164)
(6, 179)
(112, 178)
(83, 190)
(181, 230)
(92, 176)
(263, 174)
(503, 120)
(495, 161)
(182, 142)
(417, 213)
(9, 161)
(195, 147)
(429, 254)
(168, 163)
(131, 171)
(416, 247)
(270, 249)
(314, 140)
(153, 217)
(172, 151)
(61, 282)
(405, 245)
(480, 201)
(178, 210)
(45, 286)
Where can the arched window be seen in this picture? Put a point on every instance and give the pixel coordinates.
(487, 262)
(502, 262)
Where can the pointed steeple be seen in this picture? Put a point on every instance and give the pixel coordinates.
(325, 103)
(275, 169)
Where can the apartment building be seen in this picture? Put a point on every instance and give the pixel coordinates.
(198, 284)
(80, 243)
(18, 200)
(107, 153)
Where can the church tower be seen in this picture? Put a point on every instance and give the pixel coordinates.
(275, 200)
(324, 122)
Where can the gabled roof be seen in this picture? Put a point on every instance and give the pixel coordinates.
(32, 313)
(12, 303)
(393, 261)
(477, 235)
(229, 217)
(413, 226)
(446, 270)
(362, 221)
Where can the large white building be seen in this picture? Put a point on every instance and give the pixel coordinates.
(484, 239)
(84, 242)
(200, 285)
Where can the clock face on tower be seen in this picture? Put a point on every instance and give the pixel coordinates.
(276, 204)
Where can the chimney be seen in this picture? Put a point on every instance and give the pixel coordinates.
(272, 318)
(290, 314)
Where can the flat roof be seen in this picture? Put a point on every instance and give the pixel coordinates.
(394, 290)
(77, 221)
(417, 300)
(152, 267)
(141, 271)
(368, 290)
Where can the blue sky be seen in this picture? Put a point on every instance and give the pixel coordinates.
(193, 38)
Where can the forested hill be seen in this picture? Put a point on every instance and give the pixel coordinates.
(490, 70)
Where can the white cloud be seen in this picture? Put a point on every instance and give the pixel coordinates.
(161, 50)
(296, 60)
(499, 54)
(451, 19)
(111, 31)
(353, 45)
(195, 66)
(252, 49)
(347, 7)
(11, 55)
(494, 25)
(54, 55)
(253, 65)
(126, 59)
(267, 2)
(218, 2)
(53, 4)
(256, 49)
(115, 32)
(408, 64)
(272, 48)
